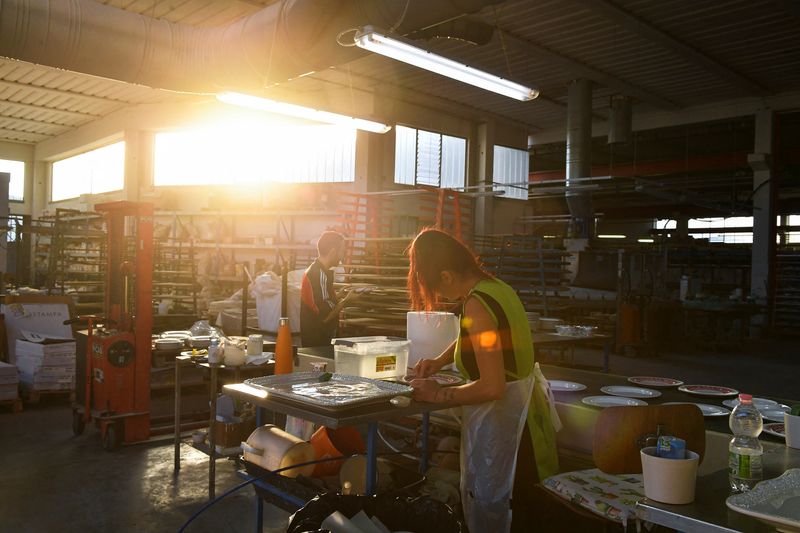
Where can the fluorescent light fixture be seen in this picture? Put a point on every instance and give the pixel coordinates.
(370, 39)
(611, 236)
(645, 240)
(282, 108)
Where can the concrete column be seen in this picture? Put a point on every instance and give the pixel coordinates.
(5, 178)
(132, 171)
(484, 206)
(764, 190)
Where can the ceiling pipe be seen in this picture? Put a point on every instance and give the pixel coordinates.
(282, 41)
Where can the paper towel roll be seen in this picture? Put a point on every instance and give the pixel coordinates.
(430, 333)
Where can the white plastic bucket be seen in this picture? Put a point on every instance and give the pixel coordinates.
(791, 426)
(669, 480)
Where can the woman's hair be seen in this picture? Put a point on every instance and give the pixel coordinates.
(432, 252)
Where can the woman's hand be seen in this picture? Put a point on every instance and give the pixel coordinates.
(426, 368)
(425, 390)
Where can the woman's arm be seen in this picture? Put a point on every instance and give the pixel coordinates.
(489, 356)
(427, 367)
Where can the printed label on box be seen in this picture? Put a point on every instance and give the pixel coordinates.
(385, 363)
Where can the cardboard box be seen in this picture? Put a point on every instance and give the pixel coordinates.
(232, 434)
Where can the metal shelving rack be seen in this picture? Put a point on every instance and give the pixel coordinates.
(786, 299)
(175, 274)
(536, 271)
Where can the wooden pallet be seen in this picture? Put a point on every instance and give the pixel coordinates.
(15, 405)
(34, 396)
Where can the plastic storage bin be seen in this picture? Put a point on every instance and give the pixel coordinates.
(371, 357)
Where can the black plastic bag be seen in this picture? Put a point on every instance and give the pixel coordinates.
(420, 514)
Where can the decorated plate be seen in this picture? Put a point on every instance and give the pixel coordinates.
(611, 401)
(774, 501)
(760, 403)
(708, 390)
(652, 381)
(706, 408)
(630, 392)
(556, 385)
(776, 430)
(442, 378)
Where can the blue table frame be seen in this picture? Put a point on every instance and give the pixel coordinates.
(369, 414)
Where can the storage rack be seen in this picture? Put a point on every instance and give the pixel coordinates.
(533, 268)
(175, 274)
(76, 258)
(786, 300)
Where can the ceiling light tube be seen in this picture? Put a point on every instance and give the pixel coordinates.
(282, 108)
(611, 236)
(370, 39)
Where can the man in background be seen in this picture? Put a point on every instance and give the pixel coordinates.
(319, 303)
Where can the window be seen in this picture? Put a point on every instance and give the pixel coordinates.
(220, 156)
(510, 172)
(94, 172)
(429, 158)
(703, 228)
(16, 186)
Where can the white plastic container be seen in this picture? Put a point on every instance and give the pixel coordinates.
(371, 357)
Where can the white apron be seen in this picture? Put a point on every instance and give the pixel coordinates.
(490, 437)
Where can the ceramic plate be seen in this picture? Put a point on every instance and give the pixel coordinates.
(442, 378)
(652, 381)
(776, 414)
(708, 390)
(775, 501)
(706, 408)
(630, 392)
(776, 430)
(556, 385)
(760, 403)
(610, 401)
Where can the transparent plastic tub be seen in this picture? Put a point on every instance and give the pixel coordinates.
(371, 357)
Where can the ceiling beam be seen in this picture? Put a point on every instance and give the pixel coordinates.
(59, 92)
(578, 68)
(20, 135)
(30, 107)
(31, 122)
(644, 29)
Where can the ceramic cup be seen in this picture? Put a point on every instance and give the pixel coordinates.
(669, 480)
(791, 425)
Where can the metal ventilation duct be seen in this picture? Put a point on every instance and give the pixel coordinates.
(620, 120)
(282, 41)
(579, 153)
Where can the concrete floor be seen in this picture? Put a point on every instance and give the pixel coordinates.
(55, 482)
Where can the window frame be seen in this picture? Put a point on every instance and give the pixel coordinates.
(442, 159)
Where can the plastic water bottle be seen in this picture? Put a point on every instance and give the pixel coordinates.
(214, 355)
(745, 451)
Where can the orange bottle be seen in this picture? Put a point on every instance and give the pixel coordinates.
(283, 348)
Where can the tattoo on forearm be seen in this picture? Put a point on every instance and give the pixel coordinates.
(448, 395)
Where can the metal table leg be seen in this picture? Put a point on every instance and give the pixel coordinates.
(177, 417)
(606, 356)
(259, 513)
(423, 460)
(212, 452)
(372, 465)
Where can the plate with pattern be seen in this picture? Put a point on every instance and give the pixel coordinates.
(653, 381)
(708, 390)
(760, 403)
(775, 429)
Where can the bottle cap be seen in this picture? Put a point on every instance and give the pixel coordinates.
(746, 398)
(284, 321)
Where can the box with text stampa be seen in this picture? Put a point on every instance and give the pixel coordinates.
(45, 362)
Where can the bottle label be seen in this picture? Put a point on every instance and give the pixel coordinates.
(744, 466)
